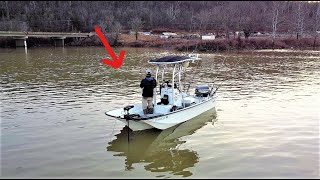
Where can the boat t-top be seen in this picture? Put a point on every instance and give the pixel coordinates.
(171, 105)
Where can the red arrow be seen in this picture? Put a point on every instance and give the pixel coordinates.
(117, 62)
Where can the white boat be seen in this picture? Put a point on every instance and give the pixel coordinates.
(172, 105)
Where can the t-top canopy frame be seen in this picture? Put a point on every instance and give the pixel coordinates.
(174, 59)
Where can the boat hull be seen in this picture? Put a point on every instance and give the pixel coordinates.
(171, 119)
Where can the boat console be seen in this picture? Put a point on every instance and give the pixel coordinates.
(166, 93)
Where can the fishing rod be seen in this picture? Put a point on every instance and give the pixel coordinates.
(192, 80)
(215, 89)
(221, 81)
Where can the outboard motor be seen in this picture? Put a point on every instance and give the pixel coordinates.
(202, 91)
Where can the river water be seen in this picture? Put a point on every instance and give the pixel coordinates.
(53, 100)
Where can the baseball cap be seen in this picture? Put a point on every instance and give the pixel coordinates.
(148, 71)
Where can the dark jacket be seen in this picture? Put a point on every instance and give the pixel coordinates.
(148, 84)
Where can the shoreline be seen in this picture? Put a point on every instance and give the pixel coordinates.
(151, 41)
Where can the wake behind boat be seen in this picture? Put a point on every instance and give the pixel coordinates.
(174, 105)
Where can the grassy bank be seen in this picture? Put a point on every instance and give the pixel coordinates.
(250, 44)
(220, 45)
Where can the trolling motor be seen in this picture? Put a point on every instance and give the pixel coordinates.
(126, 110)
(128, 116)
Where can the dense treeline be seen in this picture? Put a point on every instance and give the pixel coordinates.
(277, 19)
(194, 16)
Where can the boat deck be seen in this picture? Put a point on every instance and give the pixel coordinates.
(149, 116)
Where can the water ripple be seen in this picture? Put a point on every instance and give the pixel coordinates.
(53, 123)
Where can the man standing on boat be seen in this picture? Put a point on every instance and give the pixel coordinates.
(148, 84)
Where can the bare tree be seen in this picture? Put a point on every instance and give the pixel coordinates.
(228, 21)
(173, 11)
(300, 20)
(192, 18)
(204, 18)
(7, 10)
(33, 3)
(316, 25)
(244, 16)
(275, 14)
(278, 17)
(105, 24)
(136, 25)
(115, 32)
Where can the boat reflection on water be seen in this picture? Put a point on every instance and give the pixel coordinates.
(160, 149)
